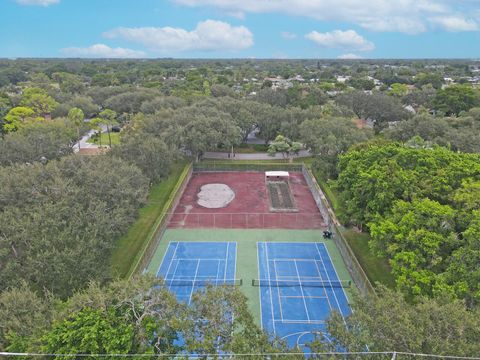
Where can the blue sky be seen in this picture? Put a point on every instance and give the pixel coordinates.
(240, 29)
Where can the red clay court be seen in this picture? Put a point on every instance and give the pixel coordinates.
(250, 208)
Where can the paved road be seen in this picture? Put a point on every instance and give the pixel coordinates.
(256, 156)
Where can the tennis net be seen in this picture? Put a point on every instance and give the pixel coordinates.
(300, 282)
(203, 282)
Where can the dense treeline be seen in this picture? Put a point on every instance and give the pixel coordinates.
(438, 326)
(59, 221)
(421, 206)
(130, 317)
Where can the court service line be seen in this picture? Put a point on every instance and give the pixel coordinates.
(330, 281)
(301, 290)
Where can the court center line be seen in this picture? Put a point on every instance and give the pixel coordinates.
(235, 261)
(331, 287)
(301, 290)
(218, 270)
(193, 286)
(278, 290)
(321, 278)
(226, 263)
(173, 275)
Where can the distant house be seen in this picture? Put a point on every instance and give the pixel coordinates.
(342, 79)
(279, 82)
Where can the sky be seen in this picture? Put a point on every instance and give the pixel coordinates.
(240, 28)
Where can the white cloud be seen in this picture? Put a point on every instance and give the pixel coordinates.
(407, 16)
(348, 39)
(455, 23)
(349, 56)
(38, 2)
(209, 35)
(288, 35)
(102, 51)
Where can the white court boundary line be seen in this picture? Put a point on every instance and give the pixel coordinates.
(336, 274)
(330, 281)
(259, 290)
(269, 287)
(164, 256)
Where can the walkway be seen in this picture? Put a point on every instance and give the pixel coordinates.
(255, 156)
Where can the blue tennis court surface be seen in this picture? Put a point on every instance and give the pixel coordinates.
(189, 266)
(294, 306)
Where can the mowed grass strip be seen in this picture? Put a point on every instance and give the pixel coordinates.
(377, 269)
(115, 136)
(129, 246)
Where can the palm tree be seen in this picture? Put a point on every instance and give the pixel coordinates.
(107, 118)
(76, 116)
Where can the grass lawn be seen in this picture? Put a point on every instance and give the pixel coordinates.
(104, 136)
(127, 247)
(377, 269)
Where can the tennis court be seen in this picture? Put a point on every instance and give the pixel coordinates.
(299, 288)
(190, 266)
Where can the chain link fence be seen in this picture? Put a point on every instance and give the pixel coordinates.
(354, 268)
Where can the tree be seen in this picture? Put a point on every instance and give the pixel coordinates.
(398, 90)
(23, 317)
(148, 152)
(284, 145)
(329, 137)
(456, 98)
(463, 272)
(90, 331)
(18, 117)
(420, 97)
(429, 326)
(378, 107)
(39, 101)
(203, 133)
(37, 142)
(77, 117)
(59, 221)
(417, 237)
(433, 79)
(220, 322)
